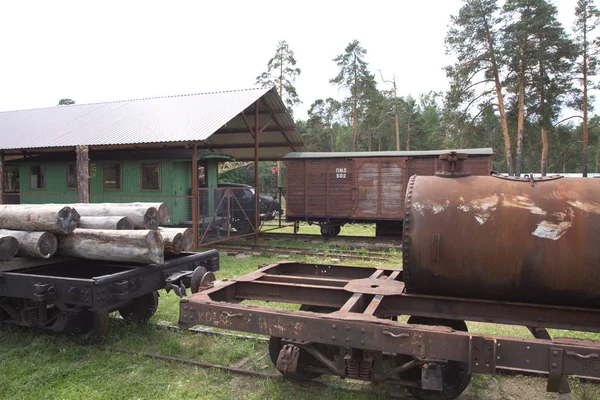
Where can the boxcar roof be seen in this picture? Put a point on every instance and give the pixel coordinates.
(486, 151)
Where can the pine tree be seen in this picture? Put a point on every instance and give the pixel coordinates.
(474, 38)
(282, 73)
(355, 77)
(587, 19)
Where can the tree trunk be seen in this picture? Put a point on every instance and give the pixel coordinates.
(355, 111)
(143, 215)
(83, 174)
(115, 223)
(1, 177)
(33, 244)
(521, 114)
(186, 233)
(544, 161)
(597, 153)
(397, 128)
(56, 218)
(9, 247)
(584, 161)
(370, 144)
(408, 137)
(142, 246)
(500, 97)
(173, 240)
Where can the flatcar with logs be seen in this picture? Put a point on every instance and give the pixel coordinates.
(334, 189)
(64, 268)
(517, 251)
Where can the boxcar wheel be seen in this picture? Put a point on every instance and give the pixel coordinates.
(456, 375)
(330, 231)
(141, 309)
(90, 326)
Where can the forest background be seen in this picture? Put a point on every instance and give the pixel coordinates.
(522, 84)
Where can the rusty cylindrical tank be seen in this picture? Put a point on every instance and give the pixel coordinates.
(497, 238)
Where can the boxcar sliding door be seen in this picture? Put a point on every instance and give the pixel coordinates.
(380, 187)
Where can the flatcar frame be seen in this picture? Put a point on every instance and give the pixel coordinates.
(361, 304)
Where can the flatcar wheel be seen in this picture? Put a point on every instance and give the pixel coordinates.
(455, 378)
(305, 359)
(141, 309)
(90, 326)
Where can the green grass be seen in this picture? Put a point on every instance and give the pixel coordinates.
(40, 365)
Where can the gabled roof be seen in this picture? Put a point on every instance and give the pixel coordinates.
(486, 151)
(219, 120)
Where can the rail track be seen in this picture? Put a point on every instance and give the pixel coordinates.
(351, 254)
(234, 369)
(342, 239)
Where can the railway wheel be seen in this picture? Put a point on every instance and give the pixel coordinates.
(455, 375)
(90, 326)
(305, 359)
(141, 309)
(330, 231)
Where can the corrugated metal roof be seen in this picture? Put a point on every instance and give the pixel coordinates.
(186, 118)
(486, 151)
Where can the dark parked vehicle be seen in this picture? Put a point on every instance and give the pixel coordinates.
(242, 217)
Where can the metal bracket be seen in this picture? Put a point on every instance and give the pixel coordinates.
(432, 377)
(44, 292)
(482, 355)
(288, 359)
(557, 381)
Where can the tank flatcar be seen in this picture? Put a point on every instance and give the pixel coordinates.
(507, 251)
(333, 189)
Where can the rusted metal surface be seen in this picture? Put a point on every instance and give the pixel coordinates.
(365, 187)
(358, 303)
(503, 239)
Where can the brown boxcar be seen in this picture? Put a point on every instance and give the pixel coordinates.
(333, 189)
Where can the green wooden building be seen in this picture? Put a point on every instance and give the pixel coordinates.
(160, 149)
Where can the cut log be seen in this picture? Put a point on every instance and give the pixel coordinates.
(33, 244)
(9, 247)
(187, 233)
(142, 246)
(115, 223)
(173, 240)
(56, 218)
(143, 216)
(164, 212)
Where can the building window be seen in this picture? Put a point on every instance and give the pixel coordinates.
(150, 176)
(112, 176)
(37, 178)
(71, 176)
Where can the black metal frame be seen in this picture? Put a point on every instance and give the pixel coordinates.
(83, 285)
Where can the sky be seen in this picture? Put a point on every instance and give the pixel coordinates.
(118, 50)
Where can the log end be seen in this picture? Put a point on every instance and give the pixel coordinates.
(164, 214)
(151, 218)
(67, 220)
(9, 247)
(175, 244)
(125, 223)
(156, 246)
(48, 244)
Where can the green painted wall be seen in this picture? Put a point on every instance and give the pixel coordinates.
(175, 180)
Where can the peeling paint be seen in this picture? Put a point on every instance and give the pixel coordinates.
(523, 202)
(549, 230)
(593, 208)
(481, 207)
(428, 205)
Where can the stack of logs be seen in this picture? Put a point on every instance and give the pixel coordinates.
(127, 232)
